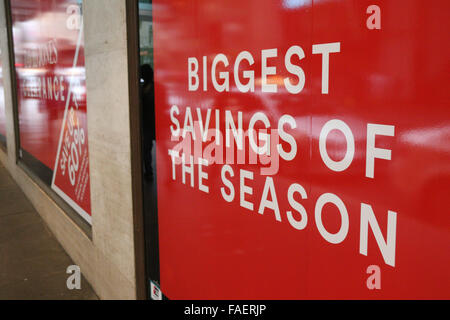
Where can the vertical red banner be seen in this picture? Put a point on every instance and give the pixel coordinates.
(357, 207)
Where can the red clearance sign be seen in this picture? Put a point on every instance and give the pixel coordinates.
(307, 146)
(49, 56)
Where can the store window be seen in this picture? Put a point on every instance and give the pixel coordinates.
(51, 96)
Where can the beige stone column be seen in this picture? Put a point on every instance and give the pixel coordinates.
(109, 133)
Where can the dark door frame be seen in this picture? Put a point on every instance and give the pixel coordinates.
(132, 21)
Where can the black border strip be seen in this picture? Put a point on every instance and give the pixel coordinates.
(380, 309)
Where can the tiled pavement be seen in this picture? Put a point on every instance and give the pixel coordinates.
(32, 262)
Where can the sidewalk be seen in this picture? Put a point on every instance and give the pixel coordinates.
(32, 262)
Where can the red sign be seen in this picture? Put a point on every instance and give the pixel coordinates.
(49, 57)
(307, 147)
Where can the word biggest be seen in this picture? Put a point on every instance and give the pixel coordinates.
(221, 80)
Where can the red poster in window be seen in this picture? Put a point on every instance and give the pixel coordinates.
(350, 101)
(49, 57)
(71, 172)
